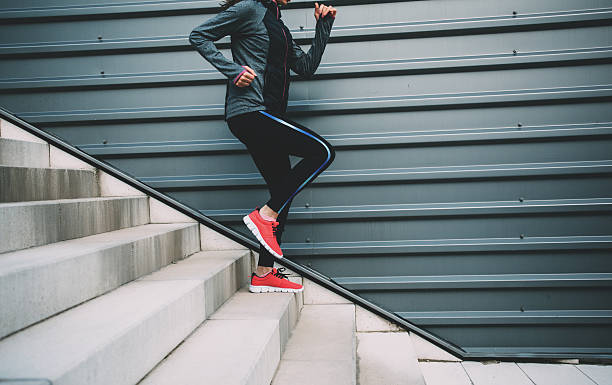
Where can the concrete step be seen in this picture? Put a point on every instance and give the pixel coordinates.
(120, 336)
(10, 131)
(322, 348)
(23, 153)
(21, 184)
(384, 351)
(387, 358)
(41, 281)
(241, 343)
(35, 223)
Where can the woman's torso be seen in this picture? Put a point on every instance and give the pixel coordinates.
(263, 43)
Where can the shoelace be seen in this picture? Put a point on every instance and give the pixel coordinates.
(280, 274)
(274, 228)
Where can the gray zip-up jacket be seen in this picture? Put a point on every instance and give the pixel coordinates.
(261, 41)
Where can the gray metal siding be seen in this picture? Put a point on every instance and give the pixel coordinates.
(471, 191)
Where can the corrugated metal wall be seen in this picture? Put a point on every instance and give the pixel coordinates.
(472, 187)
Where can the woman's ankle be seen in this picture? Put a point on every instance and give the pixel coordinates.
(268, 213)
(262, 270)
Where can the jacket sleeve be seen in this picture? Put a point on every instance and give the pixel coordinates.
(306, 64)
(222, 24)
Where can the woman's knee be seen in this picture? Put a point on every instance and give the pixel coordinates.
(326, 154)
(332, 153)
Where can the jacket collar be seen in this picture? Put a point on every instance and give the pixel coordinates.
(273, 5)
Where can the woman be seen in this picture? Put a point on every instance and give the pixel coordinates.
(256, 95)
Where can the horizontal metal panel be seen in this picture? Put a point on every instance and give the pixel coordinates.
(489, 281)
(342, 141)
(371, 31)
(423, 123)
(590, 340)
(379, 67)
(454, 245)
(381, 158)
(32, 9)
(408, 210)
(519, 226)
(458, 190)
(470, 52)
(29, 9)
(41, 8)
(475, 299)
(397, 174)
(476, 83)
(372, 104)
(531, 317)
(563, 259)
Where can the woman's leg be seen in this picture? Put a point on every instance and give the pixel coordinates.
(274, 167)
(266, 260)
(295, 139)
(269, 139)
(272, 164)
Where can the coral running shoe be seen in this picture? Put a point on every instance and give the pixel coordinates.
(272, 281)
(264, 230)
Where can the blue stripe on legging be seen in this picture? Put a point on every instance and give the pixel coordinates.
(312, 136)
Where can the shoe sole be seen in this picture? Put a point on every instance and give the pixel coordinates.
(269, 289)
(249, 223)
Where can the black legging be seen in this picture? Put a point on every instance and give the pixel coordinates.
(270, 138)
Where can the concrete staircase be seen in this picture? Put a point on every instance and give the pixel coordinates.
(102, 284)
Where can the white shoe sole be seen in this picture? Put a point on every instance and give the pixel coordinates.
(270, 289)
(247, 221)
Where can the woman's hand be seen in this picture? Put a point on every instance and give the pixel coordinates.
(324, 10)
(246, 78)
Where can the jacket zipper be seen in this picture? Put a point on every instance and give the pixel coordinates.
(285, 64)
(286, 52)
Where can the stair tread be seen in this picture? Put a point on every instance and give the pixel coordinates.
(221, 352)
(47, 202)
(14, 152)
(26, 223)
(51, 183)
(242, 340)
(58, 251)
(84, 170)
(323, 341)
(101, 329)
(10, 131)
(377, 366)
(247, 305)
(52, 347)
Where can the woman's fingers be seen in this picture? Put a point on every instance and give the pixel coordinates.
(322, 10)
(246, 77)
(249, 75)
(244, 81)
